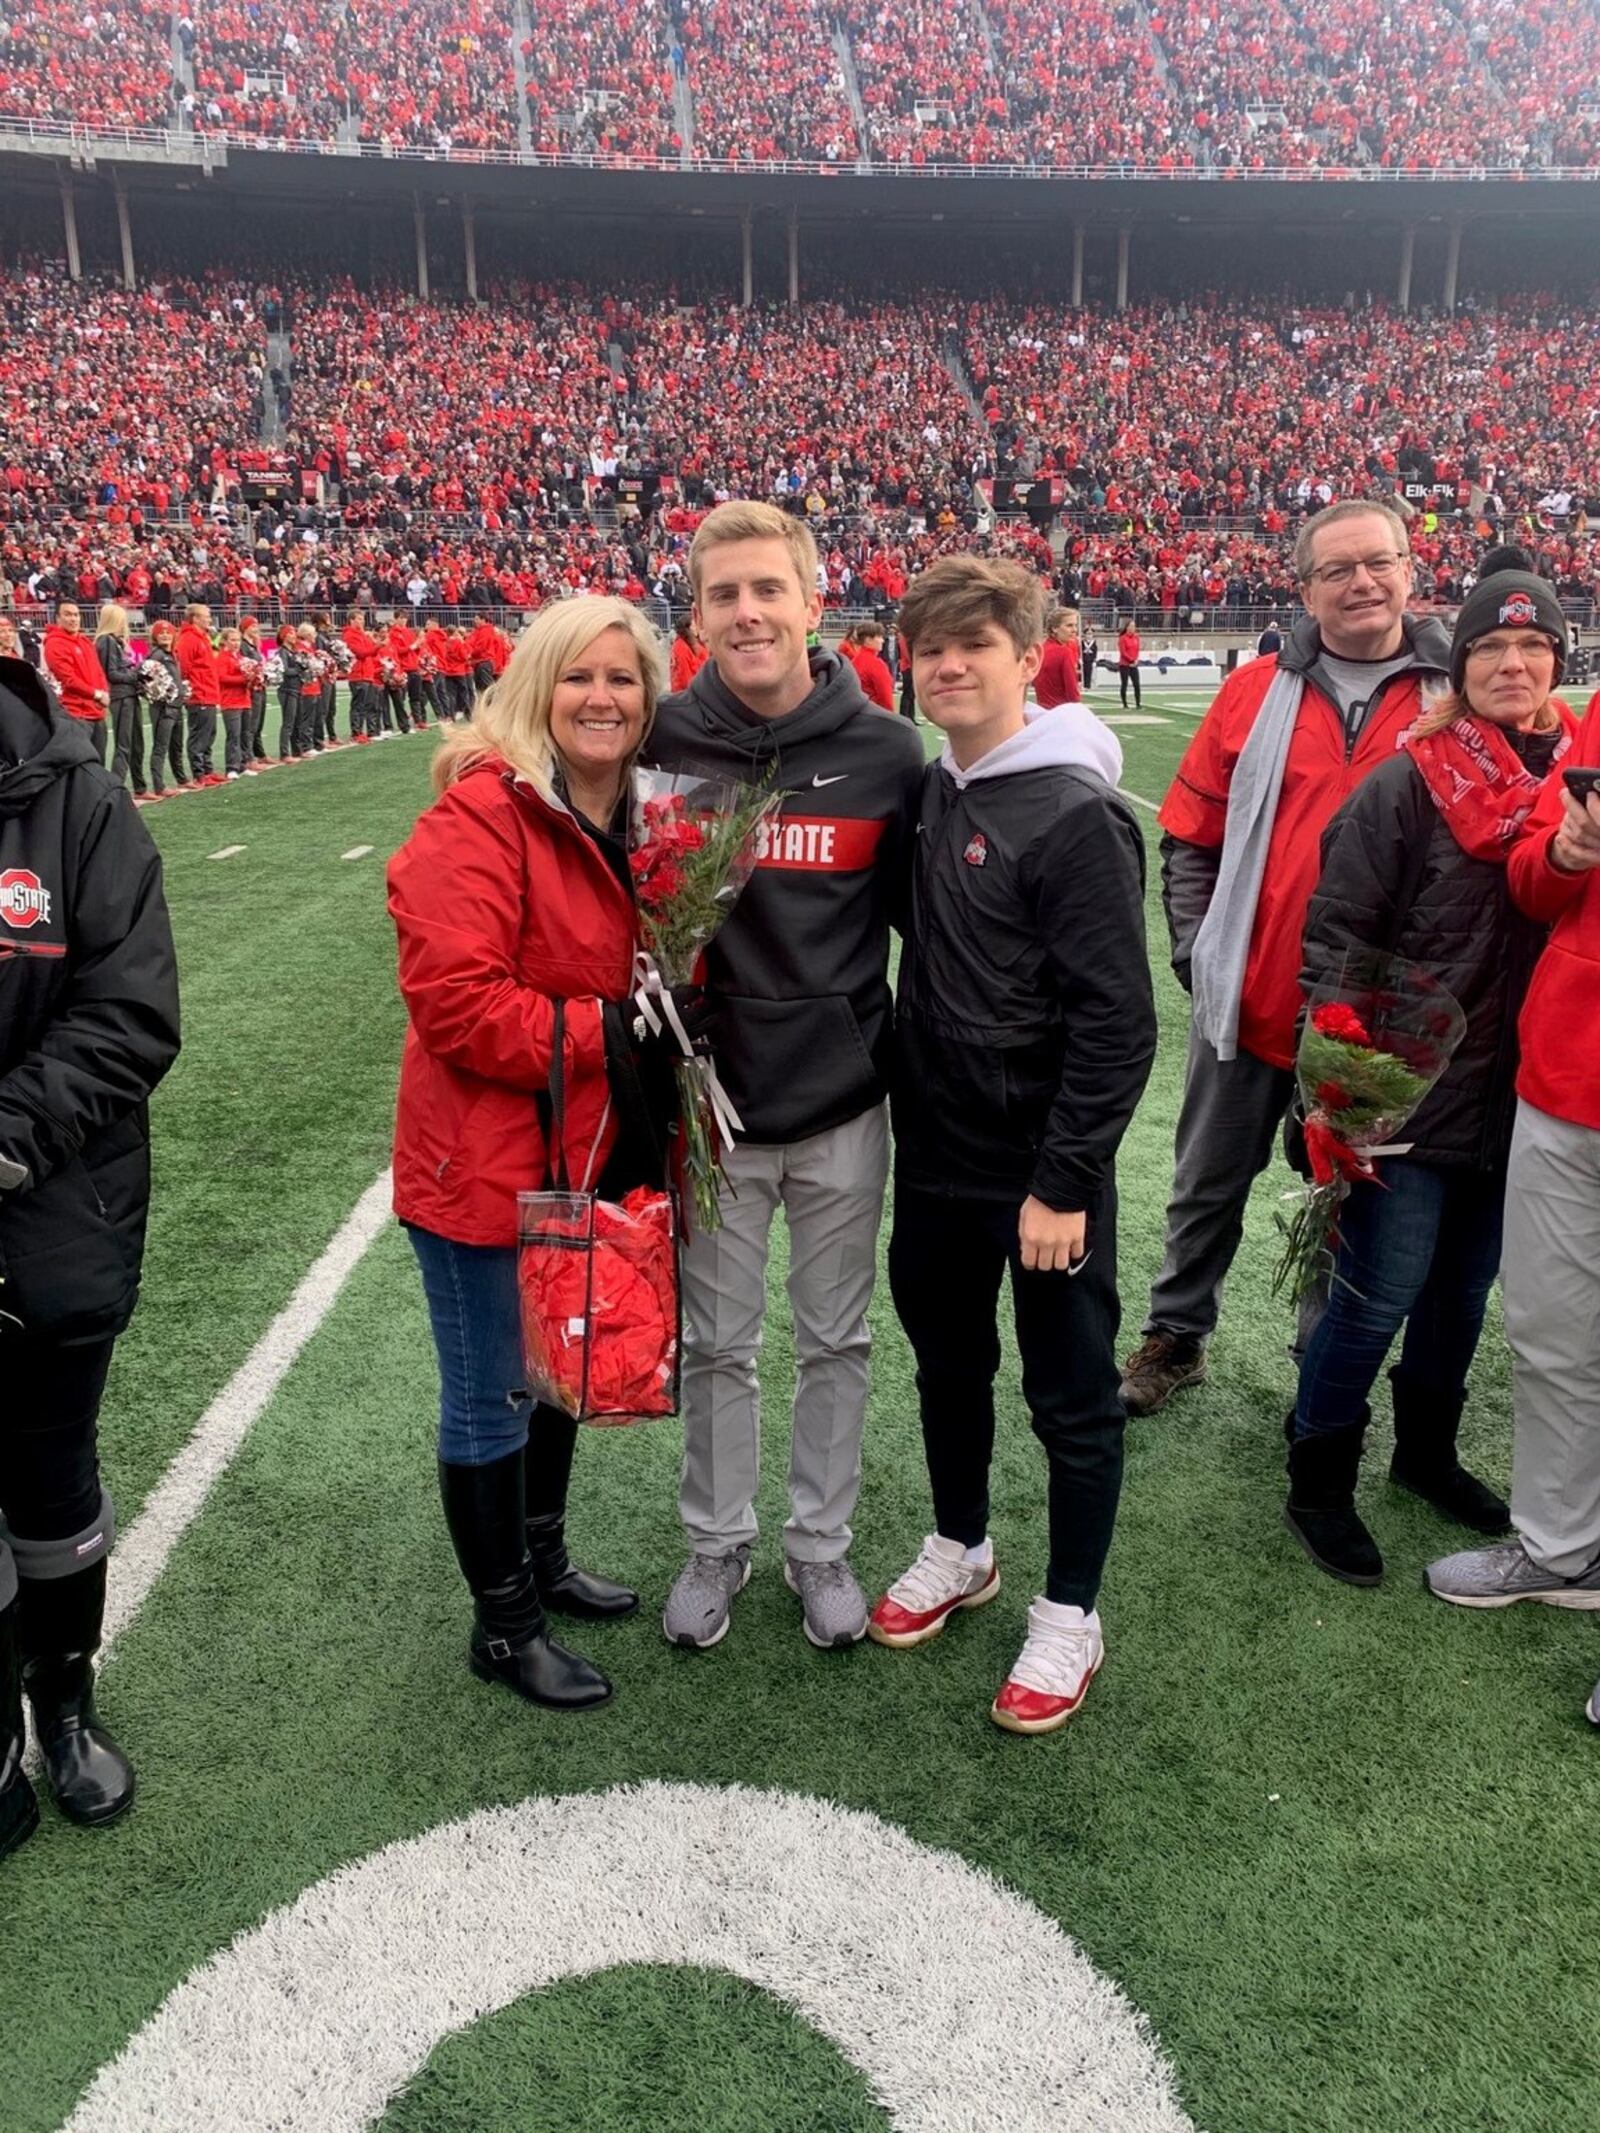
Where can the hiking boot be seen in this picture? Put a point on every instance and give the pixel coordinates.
(1062, 1655)
(939, 1584)
(700, 1605)
(835, 1606)
(1500, 1576)
(1162, 1364)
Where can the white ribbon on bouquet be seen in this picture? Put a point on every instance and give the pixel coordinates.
(653, 998)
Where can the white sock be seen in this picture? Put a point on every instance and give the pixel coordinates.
(982, 1554)
(1062, 1617)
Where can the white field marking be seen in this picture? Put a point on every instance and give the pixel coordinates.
(229, 851)
(1139, 800)
(179, 1496)
(1132, 718)
(965, 2006)
(356, 851)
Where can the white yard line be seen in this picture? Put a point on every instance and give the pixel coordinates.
(179, 1496)
(229, 851)
(1139, 800)
(356, 851)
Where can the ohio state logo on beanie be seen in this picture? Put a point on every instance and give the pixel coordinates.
(1519, 611)
(24, 899)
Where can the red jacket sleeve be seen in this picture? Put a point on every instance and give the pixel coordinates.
(1537, 885)
(1196, 805)
(456, 891)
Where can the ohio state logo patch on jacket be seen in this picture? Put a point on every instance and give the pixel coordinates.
(977, 851)
(24, 899)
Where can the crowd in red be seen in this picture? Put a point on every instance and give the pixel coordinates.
(554, 439)
(94, 67)
(1256, 83)
(766, 83)
(599, 79)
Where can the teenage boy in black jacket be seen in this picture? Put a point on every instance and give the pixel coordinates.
(88, 1026)
(1025, 1030)
(799, 981)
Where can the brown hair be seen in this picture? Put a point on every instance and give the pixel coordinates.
(755, 522)
(1352, 507)
(961, 593)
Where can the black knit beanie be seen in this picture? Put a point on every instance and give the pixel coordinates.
(1509, 594)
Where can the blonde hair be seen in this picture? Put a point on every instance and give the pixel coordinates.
(755, 522)
(113, 620)
(511, 719)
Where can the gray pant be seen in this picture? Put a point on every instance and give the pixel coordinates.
(1550, 1273)
(1231, 1113)
(831, 1190)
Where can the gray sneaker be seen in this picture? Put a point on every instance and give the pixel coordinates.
(700, 1604)
(1504, 1574)
(835, 1606)
(1591, 1709)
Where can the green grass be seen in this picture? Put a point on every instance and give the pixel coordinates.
(1338, 1845)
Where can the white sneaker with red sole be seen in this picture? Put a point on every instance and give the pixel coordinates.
(1061, 1657)
(939, 1583)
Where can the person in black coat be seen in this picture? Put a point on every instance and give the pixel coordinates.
(1413, 865)
(122, 713)
(88, 1026)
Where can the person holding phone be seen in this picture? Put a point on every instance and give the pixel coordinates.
(1551, 1268)
(1025, 1030)
(1414, 865)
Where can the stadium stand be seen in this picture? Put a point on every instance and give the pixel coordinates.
(600, 80)
(766, 83)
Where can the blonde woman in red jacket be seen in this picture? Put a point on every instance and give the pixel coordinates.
(1550, 1269)
(514, 909)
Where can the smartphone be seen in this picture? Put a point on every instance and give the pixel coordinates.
(1582, 784)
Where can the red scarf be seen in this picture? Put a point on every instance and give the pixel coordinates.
(1478, 782)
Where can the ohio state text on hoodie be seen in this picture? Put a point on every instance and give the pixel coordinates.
(1025, 1025)
(800, 969)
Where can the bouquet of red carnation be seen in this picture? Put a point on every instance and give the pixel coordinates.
(695, 845)
(1368, 1056)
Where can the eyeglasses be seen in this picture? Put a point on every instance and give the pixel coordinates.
(1376, 566)
(1489, 652)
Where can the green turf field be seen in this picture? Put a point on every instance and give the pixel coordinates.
(1339, 1847)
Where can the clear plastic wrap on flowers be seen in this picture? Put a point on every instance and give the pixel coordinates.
(1372, 1046)
(597, 1282)
(696, 842)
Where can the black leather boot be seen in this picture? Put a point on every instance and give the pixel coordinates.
(19, 1810)
(60, 1633)
(547, 1468)
(1321, 1510)
(1426, 1424)
(483, 1507)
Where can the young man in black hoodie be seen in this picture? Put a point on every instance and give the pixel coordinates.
(1025, 1030)
(88, 1026)
(799, 980)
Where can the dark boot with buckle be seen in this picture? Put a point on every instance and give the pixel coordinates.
(19, 1810)
(547, 1468)
(1321, 1510)
(60, 1633)
(1426, 1423)
(511, 1643)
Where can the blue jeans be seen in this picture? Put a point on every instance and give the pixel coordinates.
(477, 1328)
(1419, 1249)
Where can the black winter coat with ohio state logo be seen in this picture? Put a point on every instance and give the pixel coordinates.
(1025, 1025)
(88, 1024)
